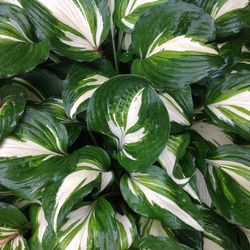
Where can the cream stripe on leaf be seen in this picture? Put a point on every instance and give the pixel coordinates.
(90, 226)
(133, 116)
(35, 154)
(18, 45)
(228, 182)
(14, 2)
(92, 171)
(77, 28)
(174, 48)
(156, 196)
(12, 105)
(128, 12)
(228, 103)
(81, 84)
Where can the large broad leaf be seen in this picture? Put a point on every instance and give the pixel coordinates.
(76, 28)
(12, 105)
(228, 180)
(153, 194)
(171, 43)
(92, 171)
(153, 243)
(127, 12)
(20, 51)
(219, 234)
(35, 155)
(179, 105)
(230, 15)
(12, 225)
(228, 103)
(128, 110)
(82, 82)
(91, 226)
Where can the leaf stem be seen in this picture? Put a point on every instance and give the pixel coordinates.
(9, 238)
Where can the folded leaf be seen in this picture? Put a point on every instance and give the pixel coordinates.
(154, 195)
(36, 156)
(91, 226)
(76, 29)
(12, 105)
(20, 51)
(92, 171)
(173, 51)
(228, 103)
(228, 181)
(133, 116)
(82, 82)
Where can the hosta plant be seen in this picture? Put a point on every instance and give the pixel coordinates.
(124, 124)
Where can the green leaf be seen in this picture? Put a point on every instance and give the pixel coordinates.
(228, 181)
(90, 226)
(35, 155)
(92, 171)
(153, 194)
(133, 116)
(127, 230)
(76, 29)
(174, 51)
(20, 51)
(127, 12)
(81, 83)
(12, 105)
(14, 2)
(227, 103)
(153, 243)
(18, 243)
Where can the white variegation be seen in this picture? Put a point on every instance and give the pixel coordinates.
(179, 44)
(77, 226)
(152, 227)
(95, 81)
(211, 245)
(212, 133)
(157, 199)
(124, 224)
(247, 232)
(238, 171)
(11, 147)
(202, 188)
(14, 2)
(84, 174)
(124, 138)
(132, 6)
(6, 231)
(127, 41)
(189, 189)
(175, 111)
(232, 104)
(73, 14)
(42, 224)
(228, 6)
(18, 242)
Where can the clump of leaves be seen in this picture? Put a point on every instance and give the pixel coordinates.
(124, 124)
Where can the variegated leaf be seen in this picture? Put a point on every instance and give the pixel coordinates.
(133, 116)
(90, 226)
(153, 194)
(174, 52)
(35, 155)
(76, 28)
(228, 181)
(92, 171)
(228, 103)
(82, 82)
(12, 105)
(127, 12)
(18, 243)
(20, 51)
(14, 2)
(127, 230)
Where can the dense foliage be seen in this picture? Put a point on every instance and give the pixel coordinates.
(124, 124)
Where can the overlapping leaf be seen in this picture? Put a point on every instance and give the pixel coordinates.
(76, 28)
(20, 51)
(173, 52)
(12, 105)
(35, 155)
(128, 110)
